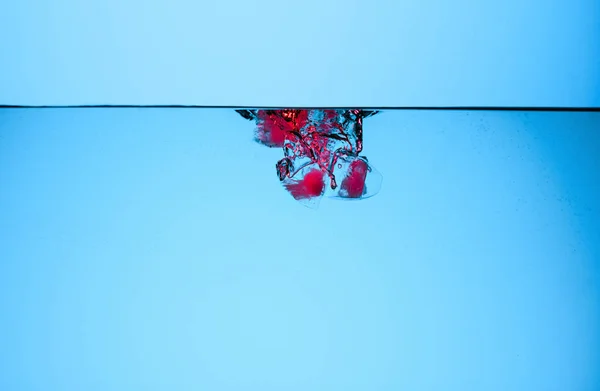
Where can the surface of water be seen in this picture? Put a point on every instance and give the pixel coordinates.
(156, 249)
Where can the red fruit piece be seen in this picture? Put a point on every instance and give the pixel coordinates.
(354, 184)
(311, 185)
(275, 126)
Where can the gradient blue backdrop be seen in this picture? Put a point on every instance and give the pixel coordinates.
(156, 250)
(309, 53)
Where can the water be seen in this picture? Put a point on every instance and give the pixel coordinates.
(157, 249)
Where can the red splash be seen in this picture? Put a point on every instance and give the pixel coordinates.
(313, 141)
(354, 184)
(311, 185)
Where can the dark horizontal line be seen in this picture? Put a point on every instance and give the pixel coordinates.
(432, 108)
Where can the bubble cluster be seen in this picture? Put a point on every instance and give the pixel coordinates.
(321, 152)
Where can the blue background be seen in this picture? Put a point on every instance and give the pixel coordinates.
(309, 53)
(156, 250)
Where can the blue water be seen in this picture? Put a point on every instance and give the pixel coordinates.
(155, 249)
